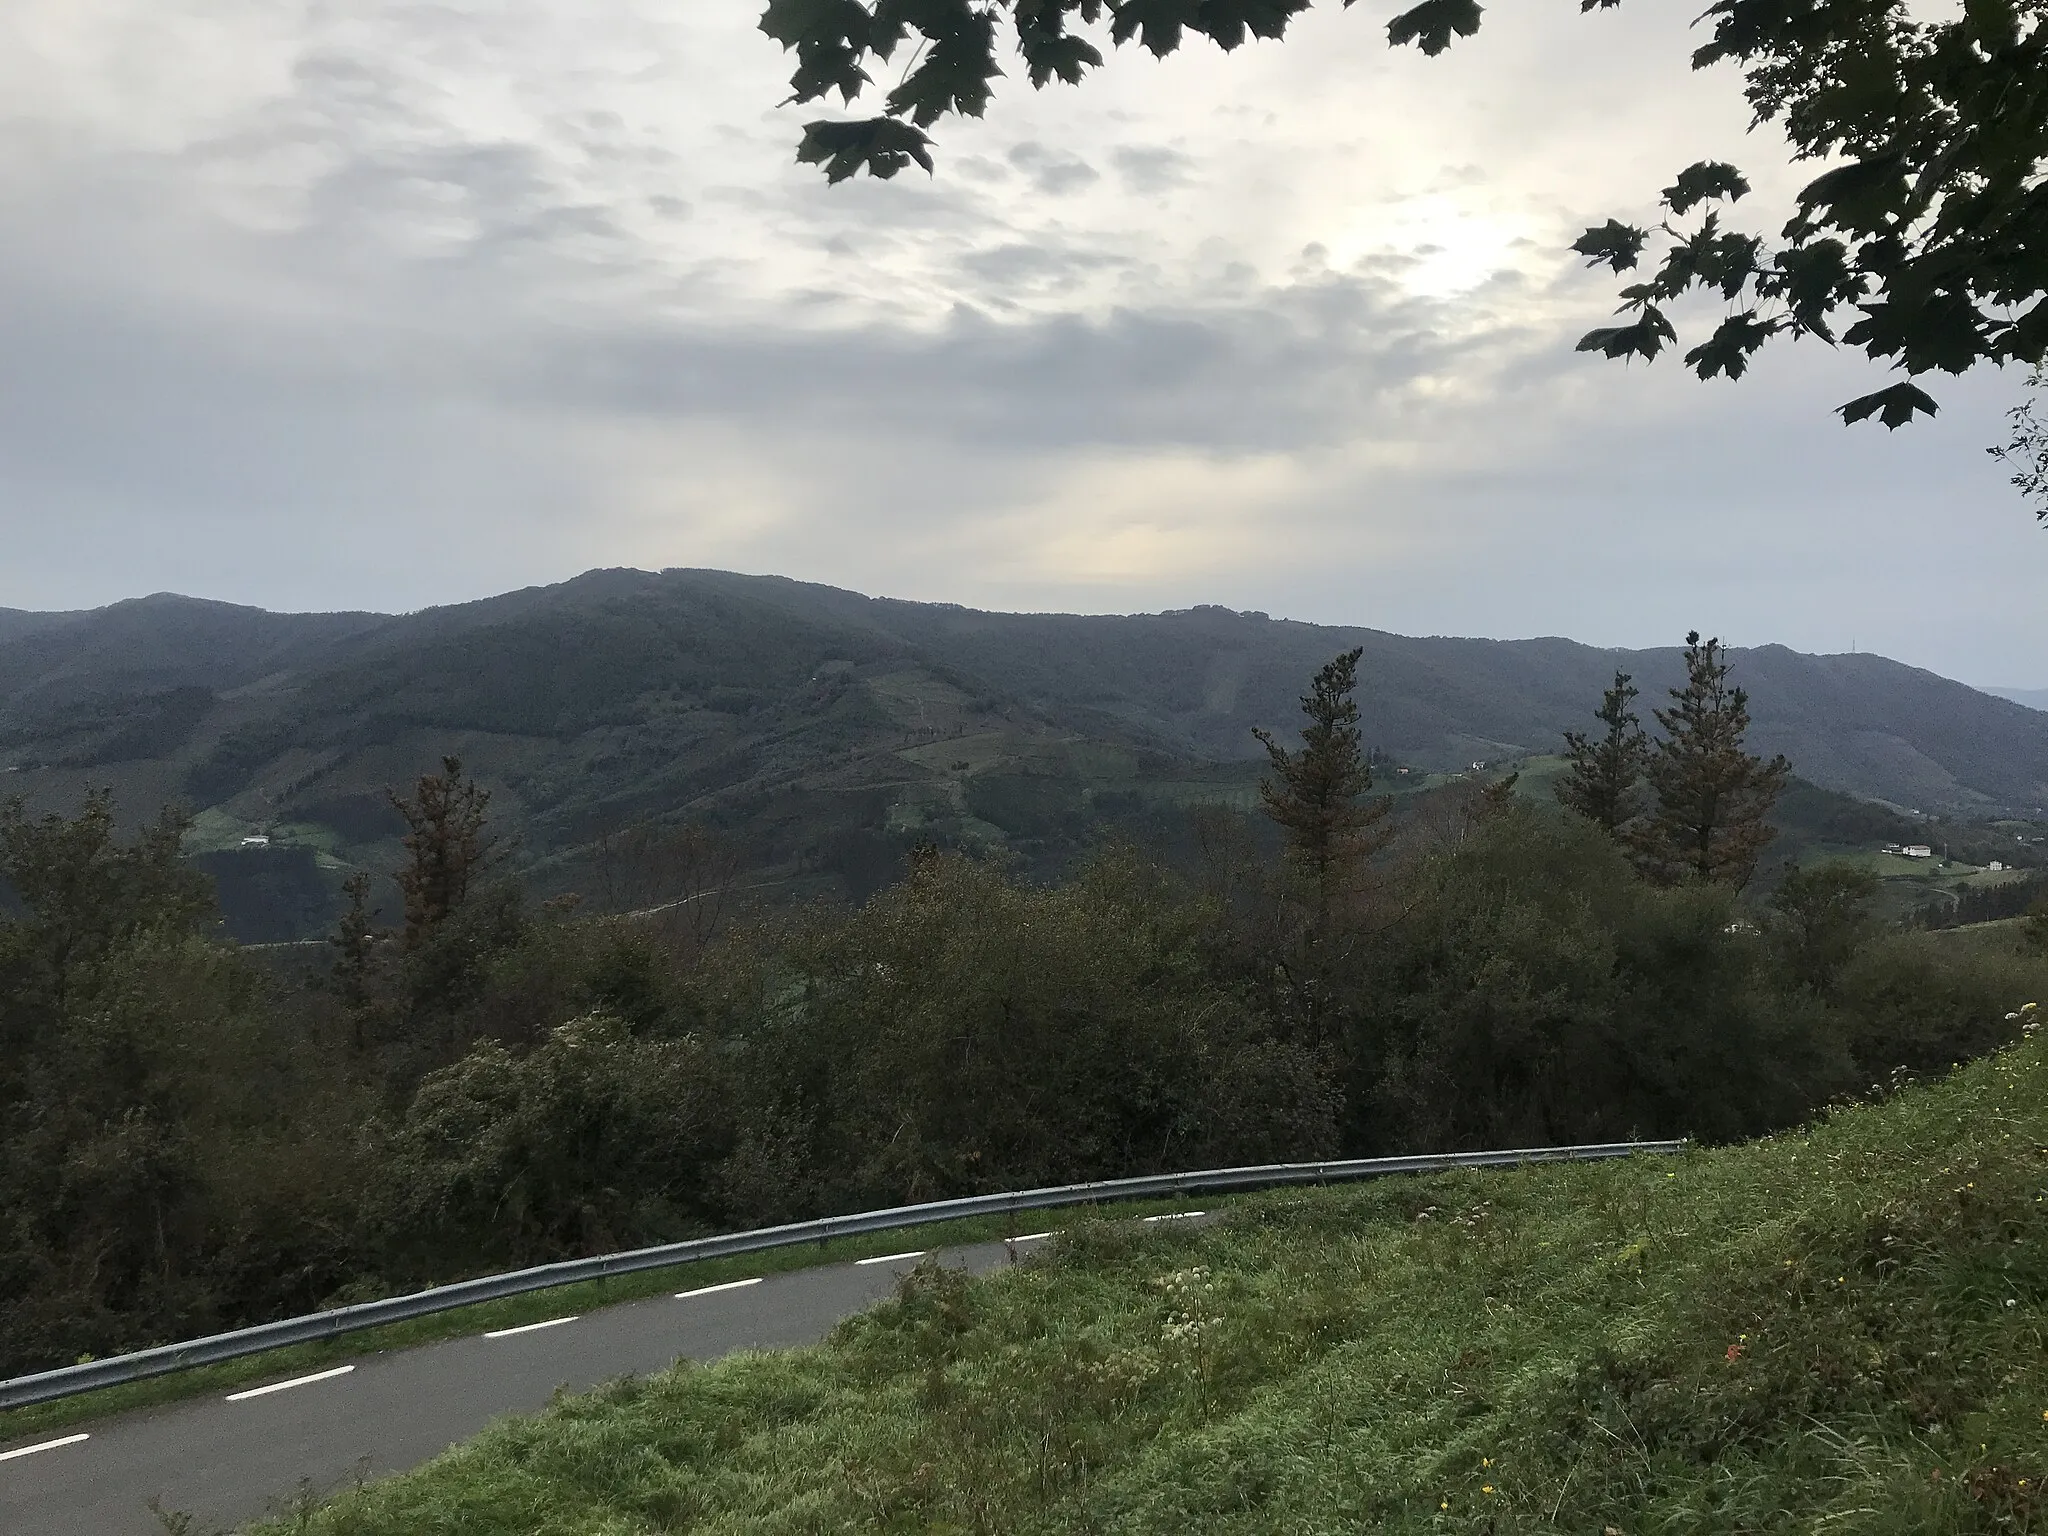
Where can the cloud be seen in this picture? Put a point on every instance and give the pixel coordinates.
(380, 306)
(1152, 168)
(1019, 264)
(1052, 173)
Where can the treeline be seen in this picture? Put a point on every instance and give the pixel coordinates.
(193, 1138)
(1966, 904)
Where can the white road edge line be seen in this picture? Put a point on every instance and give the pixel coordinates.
(891, 1258)
(1177, 1216)
(47, 1445)
(296, 1381)
(553, 1322)
(1031, 1237)
(706, 1290)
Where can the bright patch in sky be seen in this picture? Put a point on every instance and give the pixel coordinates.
(384, 304)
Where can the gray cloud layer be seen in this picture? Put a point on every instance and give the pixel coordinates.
(406, 327)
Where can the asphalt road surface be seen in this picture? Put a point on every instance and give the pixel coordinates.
(226, 1460)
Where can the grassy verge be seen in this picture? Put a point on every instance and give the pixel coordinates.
(1840, 1330)
(64, 1413)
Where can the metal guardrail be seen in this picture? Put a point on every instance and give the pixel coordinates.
(45, 1386)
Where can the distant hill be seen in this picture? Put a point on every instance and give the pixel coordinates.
(828, 730)
(1198, 680)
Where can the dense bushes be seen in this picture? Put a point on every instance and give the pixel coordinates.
(191, 1143)
(592, 1140)
(962, 1032)
(1534, 990)
(171, 1155)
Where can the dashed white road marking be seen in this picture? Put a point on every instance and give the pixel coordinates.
(553, 1322)
(1177, 1216)
(706, 1290)
(1031, 1237)
(891, 1258)
(296, 1381)
(47, 1445)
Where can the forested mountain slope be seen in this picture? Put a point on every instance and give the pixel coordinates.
(825, 728)
(1199, 679)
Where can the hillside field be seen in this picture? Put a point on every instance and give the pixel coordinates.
(1843, 1329)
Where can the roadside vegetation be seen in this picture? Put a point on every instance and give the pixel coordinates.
(1839, 1328)
(44, 1418)
(195, 1136)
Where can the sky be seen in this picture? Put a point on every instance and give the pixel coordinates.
(387, 303)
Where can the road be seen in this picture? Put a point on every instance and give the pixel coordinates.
(228, 1460)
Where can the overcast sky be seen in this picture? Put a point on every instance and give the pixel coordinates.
(361, 303)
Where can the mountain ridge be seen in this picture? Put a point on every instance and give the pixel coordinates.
(2031, 698)
(832, 729)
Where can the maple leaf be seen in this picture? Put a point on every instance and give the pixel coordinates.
(1894, 407)
(1431, 24)
(1157, 24)
(954, 73)
(1734, 342)
(1928, 330)
(1862, 195)
(791, 22)
(1227, 22)
(829, 37)
(1645, 338)
(1814, 278)
(1049, 52)
(1710, 258)
(1699, 182)
(1615, 243)
(881, 145)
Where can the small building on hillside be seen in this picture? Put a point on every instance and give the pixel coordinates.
(1917, 851)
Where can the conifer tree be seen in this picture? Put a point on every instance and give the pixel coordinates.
(353, 940)
(1602, 786)
(1713, 798)
(1314, 793)
(445, 846)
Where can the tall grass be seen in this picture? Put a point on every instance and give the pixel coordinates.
(1843, 1329)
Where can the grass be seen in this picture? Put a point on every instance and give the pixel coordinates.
(68, 1412)
(1841, 1330)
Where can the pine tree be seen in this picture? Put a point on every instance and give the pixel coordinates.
(445, 846)
(1713, 798)
(353, 940)
(1314, 793)
(1602, 786)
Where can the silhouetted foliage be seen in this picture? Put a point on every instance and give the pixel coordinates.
(1314, 792)
(2026, 452)
(1713, 798)
(1928, 229)
(445, 846)
(1605, 772)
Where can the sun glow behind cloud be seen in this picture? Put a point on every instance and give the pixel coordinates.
(1287, 329)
